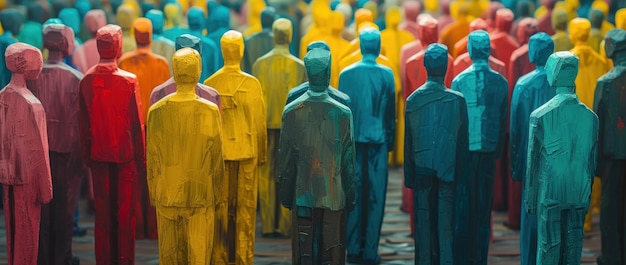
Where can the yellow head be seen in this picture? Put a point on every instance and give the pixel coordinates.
(620, 19)
(393, 17)
(232, 47)
(187, 66)
(282, 29)
(579, 29)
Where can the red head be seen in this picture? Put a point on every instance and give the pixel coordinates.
(504, 20)
(24, 59)
(477, 24)
(527, 27)
(94, 20)
(428, 30)
(109, 41)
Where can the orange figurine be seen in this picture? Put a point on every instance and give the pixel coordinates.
(458, 29)
(362, 15)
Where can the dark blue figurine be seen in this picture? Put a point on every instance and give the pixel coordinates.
(486, 94)
(531, 91)
(260, 43)
(12, 21)
(196, 21)
(298, 91)
(217, 24)
(435, 144)
(32, 28)
(371, 89)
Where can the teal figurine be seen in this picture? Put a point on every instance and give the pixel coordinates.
(11, 21)
(486, 93)
(32, 28)
(530, 92)
(260, 43)
(610, 106)
(196, 21)
(371, 89)
(160, 45)
(71, 18)
(83, 6)
(298, 91)
(217, 24)
(317, 169)
(175, 31)
(562, 152)
(435, 155)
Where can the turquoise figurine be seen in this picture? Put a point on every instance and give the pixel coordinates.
(317, 181)
(32, 28)
(217, 24)
(371, 89)
(610, 106)
(176, 28)
(260, 43)
(196, 21)
(83, 6)
(530, 92)
(436, 147)
(11, 21)
(160, 45)
(71, 18)
(562, 152)
(486, 93)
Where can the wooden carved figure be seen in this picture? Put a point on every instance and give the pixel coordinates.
(562, 152)
(196, 21)
(86, 56)
(445, 19)
(317, 182)
(169, 86)
(160, 45)
(524, 9)
(603, 7)
(278, 71)
(463, 61)
(412, 9)
(490, 16)
(185, 166)
(486, 94)
(531, 91)
(83, 6)
(173, 25)
(57, 89)
(560, 37)
(261, 42)
(436, 152)
(458, 29)
(360, 17)
(31, 30)
(255, 20)
(595, 35)
(321, 28)
(11, 21)
(610, 106)
(504, 44)
(545, 20)
(373, 104)
(125, 17)
(337, 41)
(460, 47)
(114, 148)
(413, 47)
(217, 25)
(245, 146)
(24, 160)
(71, 18)
(151, 70)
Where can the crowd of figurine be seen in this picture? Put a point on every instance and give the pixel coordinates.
(540, 100)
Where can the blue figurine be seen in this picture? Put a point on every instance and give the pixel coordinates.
(486, 93)
(32, 28)
(562, 151)
(217, 24)
(260, 43)
(531, 91)
(11, 21)
(371, 89)
(610, 106)
(435, 141)
(83, 6)
(298, 91)
(160, 45)
(196, 21)
(71, 18)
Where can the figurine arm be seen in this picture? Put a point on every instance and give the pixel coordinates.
(599, 107)
(85, 127)
(288, 158)
(532, 167)
(504, 108)
(409, 162)
(40, 157)
(348, 167)
(153, 155)
(217, 164)
(515, 139)
(390, 112)
(138, 131)
(260, 121)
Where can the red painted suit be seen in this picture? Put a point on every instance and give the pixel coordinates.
(24, 161)
(113, 144)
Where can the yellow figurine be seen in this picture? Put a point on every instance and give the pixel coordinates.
(620, 23)
(244, 147)
(255, 7)
(361, 16)
(458, 29)
(278, 72)
(321, 30)
(604, 7)
(338, 27)
(559, 24)
(185, 166)
(125, 18)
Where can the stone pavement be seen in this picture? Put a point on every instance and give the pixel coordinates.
(395, 245)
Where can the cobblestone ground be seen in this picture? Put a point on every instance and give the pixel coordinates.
(395, 245)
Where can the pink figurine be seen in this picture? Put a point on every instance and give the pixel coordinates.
(412, 9)
(24, 161)
(413, 47)
(57, 89)
(86, 56)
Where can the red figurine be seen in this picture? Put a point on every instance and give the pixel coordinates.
(112, 135)
(413, 47)
(57, 89)
(411, 10)
(86, 55)
(460, 47)
(24, 161)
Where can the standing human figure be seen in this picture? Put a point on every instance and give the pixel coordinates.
(86, 56)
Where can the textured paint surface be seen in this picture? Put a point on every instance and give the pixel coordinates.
(531, 91)
(610, 106)
(317, 178)
(460, 47)
(160, 45)
(255, 12)
(486, 94)
(24, 160)
(503, 44)
(560, 37)
(436, 153)
(561, 163)
(195, 18)
(278, 71)
(185, 166)
(373, 106)
(113, 144)
(86, 56)
(361, 17)
(11, 21)
(31, 30)
(244, 146)
(261, 42)
(57, 89)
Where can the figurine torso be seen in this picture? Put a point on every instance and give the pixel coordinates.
(611, 107)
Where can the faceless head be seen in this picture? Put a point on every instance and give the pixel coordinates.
(187, 66)
(268, 15)
(156, 17)
(562, 69)
(24, 59)
(94, 20)
(540, 46)
(282, 29)
(143, 31)
(58, 38)
(436, 59)
(317, 63)
(369, 39)
(478, 45)
(232, 47)
(527, 27)
(189, 41)
(615, 42)
(109, 41)
(579, 29)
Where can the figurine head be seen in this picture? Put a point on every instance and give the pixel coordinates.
(504, 20)
(338, 22)
(172, 13)
(369, 39)
(53, 21)
(11, 21)
(559, 19)
(35, 12)
(478, 24)
(143, 32)
(620, 18)
(411, 10)
(562, 69)
(599, 5)
(525, 8)
(109, 41)
(282, 29)
(24, 59)
(317, 45)
(362, 15)
(232, 47)
(540, 46)
(436, 60)
(219, 19)
(156, 17)
(83, 6)
(393, 17)
(187, 66)
(125, 16)
(255, 8)
(94, 20)
(319, 11)
(527, 27)
(58, 38)
(317, 63)
(445, 8)
(615, 42)
(428, 30)
(492, 10)
(596, 17)
(478, 45)
(70, 18)
(268, 16)
(188, 41)
(579, 29)
(195, 19)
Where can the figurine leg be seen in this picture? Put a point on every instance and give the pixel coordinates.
(481, 197)
(21, 216)
(445, 222)
(398, 149)
(464, 226)
(528, 237)
(514, 203)
(549, 228)
(596, 193)
(275, 218)
(356, 217)
(245, 218)
(501, 179)
(425, 203)
(574, 234)
(185, 235)
(222, 247)
(612, 211)
(319, 237)
(376, 180)
(145, 214)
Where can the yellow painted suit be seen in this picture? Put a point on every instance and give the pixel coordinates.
(185, 167)
(125, 18)
(244, 147)
(278, 72)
